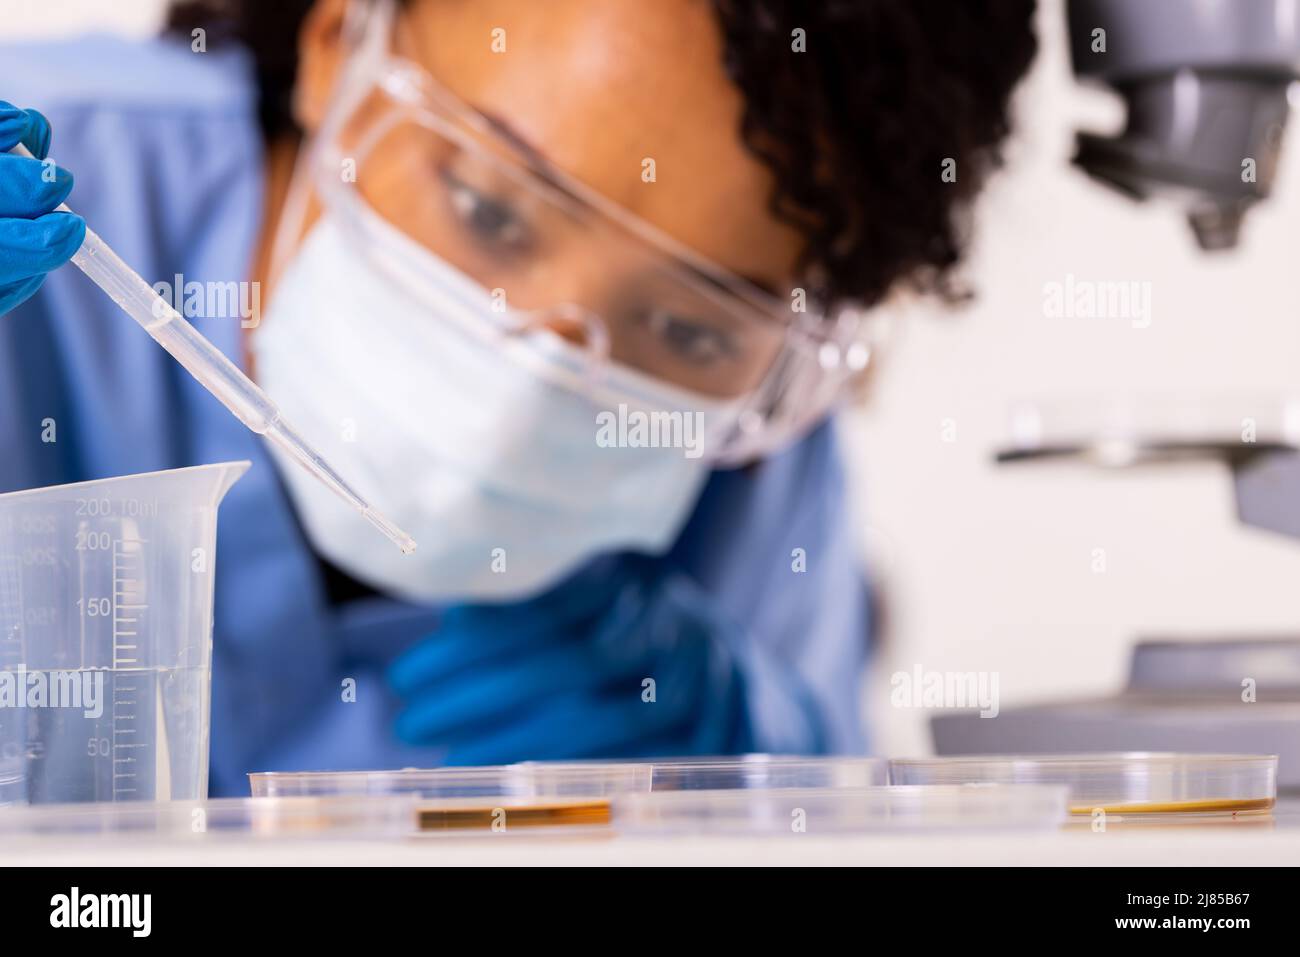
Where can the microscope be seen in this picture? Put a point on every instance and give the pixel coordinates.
(1205, 84)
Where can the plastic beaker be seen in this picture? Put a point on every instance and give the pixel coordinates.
(106, 636)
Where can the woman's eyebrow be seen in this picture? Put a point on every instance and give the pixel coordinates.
(540, 166)
(515, 138)
(555, 179)
(723, 282)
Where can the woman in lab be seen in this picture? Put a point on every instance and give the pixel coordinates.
(570, 289)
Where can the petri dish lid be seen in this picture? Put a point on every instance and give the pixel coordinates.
(752, 771)
(498, 781)
(386, 816)
(842, 810)
(1119, 783)
(375, 816)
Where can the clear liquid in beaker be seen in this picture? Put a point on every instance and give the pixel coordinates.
(138, 734)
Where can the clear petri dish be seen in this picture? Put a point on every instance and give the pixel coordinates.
(1119, 783)
(538, 780)
(798, 811)
(501, 815)
(753, 771)
(386, 816)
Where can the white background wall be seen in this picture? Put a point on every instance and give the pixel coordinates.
(34, 18)
(990, 569)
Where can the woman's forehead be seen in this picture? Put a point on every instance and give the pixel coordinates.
(628, 97)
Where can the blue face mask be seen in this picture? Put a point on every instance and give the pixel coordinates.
(473, 442)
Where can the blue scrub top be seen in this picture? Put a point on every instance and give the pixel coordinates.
(167, 157)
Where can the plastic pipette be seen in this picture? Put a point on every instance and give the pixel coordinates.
(212, 369)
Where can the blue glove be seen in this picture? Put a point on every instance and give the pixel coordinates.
(33, 239)
(624, 660)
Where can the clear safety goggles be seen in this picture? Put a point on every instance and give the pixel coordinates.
(654, 323)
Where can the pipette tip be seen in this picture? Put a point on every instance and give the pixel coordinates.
(398, 537)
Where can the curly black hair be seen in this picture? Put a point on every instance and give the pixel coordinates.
(857, 117)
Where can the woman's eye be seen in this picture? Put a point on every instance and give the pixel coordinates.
(693, 341)
(492, 220)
